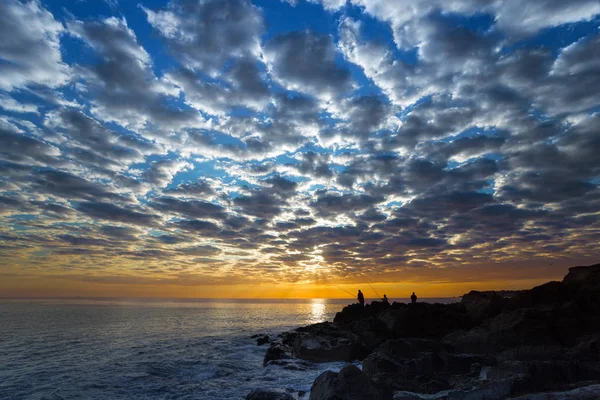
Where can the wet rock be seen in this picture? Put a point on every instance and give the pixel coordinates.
(292, 364)
(276, 351)
(349, 384)
(262, 340)
(269, 394)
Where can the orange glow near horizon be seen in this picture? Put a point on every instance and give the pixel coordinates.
(64, 288)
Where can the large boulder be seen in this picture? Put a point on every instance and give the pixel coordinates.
(327, 342)
(349, 384)
(269, 394)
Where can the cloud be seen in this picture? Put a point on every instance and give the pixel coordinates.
(407, 137)
(305, 61)
(112, 212)
(32, 55)
(122, 86)
(206, 34)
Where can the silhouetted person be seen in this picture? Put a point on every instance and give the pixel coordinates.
(413, 298)
(385, 299)
(360, 298)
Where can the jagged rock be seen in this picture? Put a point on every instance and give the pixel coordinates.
(371, 331)
(276, 351)
(356, 312)
(269, 394)
(419, 365)
(351, 312)
(326, 342)
(262, 340)
(583, 275)
(349, 384)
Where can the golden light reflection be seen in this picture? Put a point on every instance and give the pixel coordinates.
(317, 311)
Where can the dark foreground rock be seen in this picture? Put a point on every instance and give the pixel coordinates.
(349, 384)
(277, 351)
(326, 342)
(269, 394)
(492, 345)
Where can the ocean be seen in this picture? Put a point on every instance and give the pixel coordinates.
(63, 349)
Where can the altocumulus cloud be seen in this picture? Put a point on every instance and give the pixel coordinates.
(217, 141)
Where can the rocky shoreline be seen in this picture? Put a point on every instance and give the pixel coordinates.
(541, 343)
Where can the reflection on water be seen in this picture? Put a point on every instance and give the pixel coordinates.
(317, 311)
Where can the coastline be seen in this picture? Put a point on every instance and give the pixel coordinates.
(522, 344)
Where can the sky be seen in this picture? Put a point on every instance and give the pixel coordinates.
(228, 148)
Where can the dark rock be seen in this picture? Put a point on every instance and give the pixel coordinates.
(269, 394)
(351, 312)
(507, 370)
(262, 340)
(588, 349)
(488, 304)
(292, 364)
(548, 293)
(371, 331)
(419, 365)
(349, 384)
(276, 351)
(555, 375)
(423, 320)
(488, 391)
(583, 275)
(532, 353)
(510, 329)
(591, 392)
(326, 342)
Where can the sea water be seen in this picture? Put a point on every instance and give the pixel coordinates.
(150, 349)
